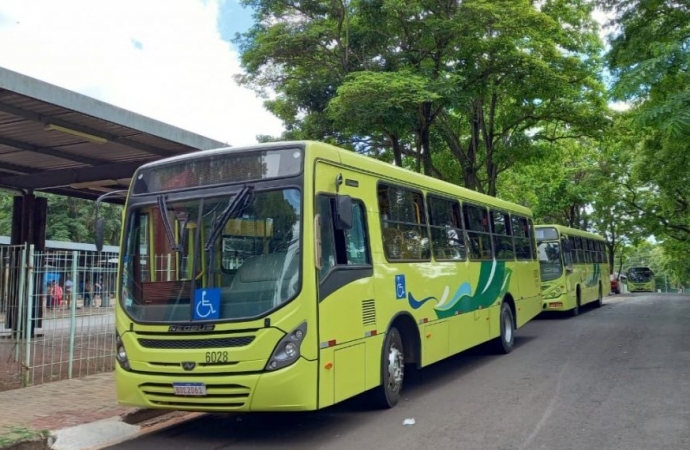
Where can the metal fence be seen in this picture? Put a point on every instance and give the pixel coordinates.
(56, 315)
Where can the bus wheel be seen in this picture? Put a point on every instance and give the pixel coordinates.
(387, 394)
(600, 300)
(504, 343)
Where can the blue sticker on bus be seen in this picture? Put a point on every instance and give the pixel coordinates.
(400, 288)
(207, 304)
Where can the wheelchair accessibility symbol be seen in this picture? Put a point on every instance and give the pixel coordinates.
(207, 304)
(400, 288)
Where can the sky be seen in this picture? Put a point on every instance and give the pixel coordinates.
(171, 60)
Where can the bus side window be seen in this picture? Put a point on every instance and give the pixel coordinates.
(503, 242)
(573, 249)
(447, 238)
(521, 238)
(356, 238)
(579, 254)
(566, 250)
(403, 224)
(328, 256)
(342, 247)
(478, 232)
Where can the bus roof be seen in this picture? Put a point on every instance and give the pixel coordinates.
(360, 163)
(562, 229)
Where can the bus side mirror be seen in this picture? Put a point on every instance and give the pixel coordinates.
(99, 233)
(343, 212)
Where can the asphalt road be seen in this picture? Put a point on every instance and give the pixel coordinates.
(613, 378)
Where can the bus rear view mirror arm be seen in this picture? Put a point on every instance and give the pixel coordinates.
(99, 232)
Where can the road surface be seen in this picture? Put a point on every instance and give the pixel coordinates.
(613, 378)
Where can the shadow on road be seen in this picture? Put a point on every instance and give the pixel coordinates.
(258, 430)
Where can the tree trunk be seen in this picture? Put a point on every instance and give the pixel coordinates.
(397, 150)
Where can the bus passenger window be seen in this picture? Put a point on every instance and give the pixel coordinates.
(403, 224)
(478, 232)
(447, 237)
(521, 238)
(580, 254)
(503, 242)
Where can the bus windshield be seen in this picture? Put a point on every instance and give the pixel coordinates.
(550, 260)
(640, 275)
(245, 244)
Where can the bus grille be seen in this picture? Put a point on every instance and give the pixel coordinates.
(222, 396)
(183, 344)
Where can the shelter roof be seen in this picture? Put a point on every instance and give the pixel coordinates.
(58, 141)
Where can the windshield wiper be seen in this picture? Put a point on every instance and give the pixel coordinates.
(235, 207)
(163, 207)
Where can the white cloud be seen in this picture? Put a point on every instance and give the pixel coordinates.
(160, 58)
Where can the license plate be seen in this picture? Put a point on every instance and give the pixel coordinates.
(190, 389)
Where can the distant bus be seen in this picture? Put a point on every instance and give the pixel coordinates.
(574, 268)
(292, 276)
(640, 279)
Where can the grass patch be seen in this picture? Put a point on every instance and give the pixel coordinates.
(12, 435)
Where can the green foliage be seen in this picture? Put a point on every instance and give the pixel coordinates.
(650, 58)
(69, 219)
(485, 83)
(560, 185)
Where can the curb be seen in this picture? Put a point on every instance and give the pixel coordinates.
(105, 432)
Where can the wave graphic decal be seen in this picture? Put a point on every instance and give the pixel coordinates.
(494, 281)
(465, 290)
(416, 304)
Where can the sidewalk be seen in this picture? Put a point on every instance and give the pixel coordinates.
(42, 410)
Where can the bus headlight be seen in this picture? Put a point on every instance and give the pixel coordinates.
(287, 350)
(121, 353)
(554, 292)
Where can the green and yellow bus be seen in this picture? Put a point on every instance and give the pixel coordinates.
(574, 268)
(292, 276)
(640, 279)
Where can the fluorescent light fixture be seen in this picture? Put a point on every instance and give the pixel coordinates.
(87, 136)
(93, 184)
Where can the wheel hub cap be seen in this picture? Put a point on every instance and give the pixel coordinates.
(395, 368)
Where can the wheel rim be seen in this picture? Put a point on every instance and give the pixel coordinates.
(508, 327)
(395, 368)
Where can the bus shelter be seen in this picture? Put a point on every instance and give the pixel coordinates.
(58, 141)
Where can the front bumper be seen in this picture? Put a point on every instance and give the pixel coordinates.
(293, 388)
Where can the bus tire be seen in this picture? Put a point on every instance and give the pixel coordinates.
(600, 301)
(387, 394)
(504, 343)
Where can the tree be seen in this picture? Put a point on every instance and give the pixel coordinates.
(68, 219)
(650, 61)
(387, 103)
(612, 215)
(560, 186)
(490, 79)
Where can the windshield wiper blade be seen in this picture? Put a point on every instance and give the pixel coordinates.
(163, 207)
(235, 207)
